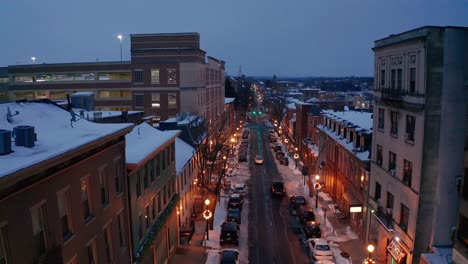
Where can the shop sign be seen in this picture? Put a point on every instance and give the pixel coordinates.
(355, 209)
(396, 251)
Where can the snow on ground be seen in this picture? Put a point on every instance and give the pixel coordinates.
(240, 174)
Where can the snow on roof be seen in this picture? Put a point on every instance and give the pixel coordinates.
(55, 135)
(291, 106)
(105, 114)
(143, 140)
(228, 100)
(184, 153)
(184, 118)
(360, 119)
(83, 93)
(313, 99)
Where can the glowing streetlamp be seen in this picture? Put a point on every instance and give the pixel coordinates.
(369, 260)
(207, 215)
(33, 59)
(120, 37)
(317, 188)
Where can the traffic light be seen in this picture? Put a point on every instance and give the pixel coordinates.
(254, 112)
(259, 112)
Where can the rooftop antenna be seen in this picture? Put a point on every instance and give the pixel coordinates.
(75, 117)
(10, 115)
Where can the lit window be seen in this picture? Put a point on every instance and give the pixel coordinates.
(171, 76)
(155, 76)
(63, 198)
(172, 100)
(155, 100)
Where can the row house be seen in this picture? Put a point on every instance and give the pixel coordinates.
(63, 191)
(418, 139)
(344, 156)
(167, 74)
(153, 198)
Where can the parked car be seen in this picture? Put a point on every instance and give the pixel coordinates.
(277, 188)
(295, 202)
(235, 202)
(229, 256)
(284, 161)
(280, 155)
(229, 234)
(271, 131)
(319, 249)
(234, 215)
(305, 214)
(311, 229)
(259, 160)
(242, 157)
(272, 140)
(239, 188)
(277, 148)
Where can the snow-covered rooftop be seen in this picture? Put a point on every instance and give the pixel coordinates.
(55, 135)
(90, 114)
(184, 118)
(357, 118)
(228, 100)
(184, 153)
(143, 140)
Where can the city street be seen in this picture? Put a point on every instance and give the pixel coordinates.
(273, 232)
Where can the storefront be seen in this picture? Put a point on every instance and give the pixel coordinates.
(397, 254)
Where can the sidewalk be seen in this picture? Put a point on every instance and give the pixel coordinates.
(193, 253)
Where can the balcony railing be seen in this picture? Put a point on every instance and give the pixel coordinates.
(392, 94)
(384, 217)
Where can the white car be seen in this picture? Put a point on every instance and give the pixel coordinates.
(319, 249)
(259, 160)
(229, 256)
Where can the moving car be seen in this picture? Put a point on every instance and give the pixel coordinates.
(277, 188)
(284, 161)
(311, 229)
(259, 160)
(229, 234)
(234, 215)
(229, 256)
(319, 249)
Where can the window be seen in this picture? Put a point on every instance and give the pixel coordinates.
(147, 216)
(4, 251)
(91, 249)
(118, 175)
(382, 78)
(108, 243)
(412, 83)
(155, 76)
(163, 159)
(393, 78)
(165, 194)
(379, 155)
(85, 199)
(172, 100)
(407, 172)
(378, 190)
(404, 217)
(410, 127)
(39, 227)
(145, 177)
(399, 78)
(138, 76)
(150, 171)
(139, 100)
(138, 184)
(394, 123)
(173, 152)
(158, 165)
(391, 161)
(381, 119)
(140, 226)
(390, 199)
(153, 208)
(159, 202)
(63, 198)
(103, 189)
(155, 100)
(120, 229)
(171, 76)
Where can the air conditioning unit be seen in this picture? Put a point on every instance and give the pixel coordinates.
(24, 136)
(5, 141)
(409, 136)
(393, 173)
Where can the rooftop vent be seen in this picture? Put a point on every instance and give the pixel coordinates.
(24, 136)
(5, 141)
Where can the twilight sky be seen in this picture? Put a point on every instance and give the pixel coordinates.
(265, 37)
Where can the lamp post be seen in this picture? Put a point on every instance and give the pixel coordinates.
(207, 215)
(369, 260)
(233, 140)
(317, 188)
(120, 40)
(33, 59)
(296, 157)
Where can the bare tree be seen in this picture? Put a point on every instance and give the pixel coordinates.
(277, 107)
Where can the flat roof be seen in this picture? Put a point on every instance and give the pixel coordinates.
(165, 34)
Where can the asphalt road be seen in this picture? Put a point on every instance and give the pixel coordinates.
(274, 234)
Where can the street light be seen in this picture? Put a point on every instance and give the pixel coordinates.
(296, 157)
(317, 188)
(369, 260)
(120, 40)
(33, 59)
(207, 215)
